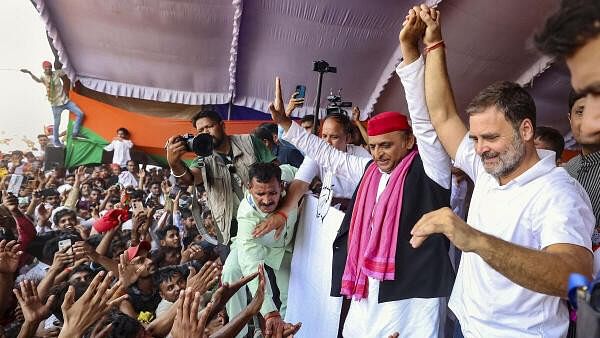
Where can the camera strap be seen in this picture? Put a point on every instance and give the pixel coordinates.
(197, 210)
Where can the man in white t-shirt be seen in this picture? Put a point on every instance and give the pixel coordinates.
(121, 146)
(529, 224)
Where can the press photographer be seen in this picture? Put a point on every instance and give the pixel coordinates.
(223, 169)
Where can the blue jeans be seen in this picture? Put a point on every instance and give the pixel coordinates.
(57, 111)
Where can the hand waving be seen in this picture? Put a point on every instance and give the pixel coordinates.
(187, 323)
(277, 109)
(9, 256)
(91, 306)
(32, 307)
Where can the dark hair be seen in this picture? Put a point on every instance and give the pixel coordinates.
(190, 237)
(309, 118)
(211, 114)
(162, 233)
(124, 130)
(343, 120)
(264, 172)
(509, 97)
(42, 135)
(207, 213)
(158, 258)
(571, 27)
(165, 273)
(81, 268)
(61, 213)
(573, 96)
(50, 192)
(552, 137)
(123, 326)
(266, 131)
(59, 292)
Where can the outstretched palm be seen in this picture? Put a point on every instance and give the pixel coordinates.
(9, 256)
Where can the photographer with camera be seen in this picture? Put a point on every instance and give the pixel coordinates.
(222, 166)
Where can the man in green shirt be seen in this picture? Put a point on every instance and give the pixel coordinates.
(247, 253)
(226, 169)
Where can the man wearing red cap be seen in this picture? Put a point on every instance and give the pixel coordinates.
(59, 100)
(393, 287)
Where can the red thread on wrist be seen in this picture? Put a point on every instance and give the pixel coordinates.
(272, 315)
(435, 46)
(282, 214)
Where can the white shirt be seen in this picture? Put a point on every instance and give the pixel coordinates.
(121, 151)
(342, 187)
(127, 179)
(541, 207)
(416, 316)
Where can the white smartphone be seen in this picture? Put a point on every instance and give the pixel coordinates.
(65, 243)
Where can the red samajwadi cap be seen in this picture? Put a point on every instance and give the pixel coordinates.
(387, 122)
(46, 64)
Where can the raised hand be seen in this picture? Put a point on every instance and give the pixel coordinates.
(355, 114)
(275, 222)
(26, 71)
(82, 249)
(9, 256)
(293, 103)
(11, 202)
(129, 272)
(193, 252)
(61, 259)
(164, 186)
(80, 174)
(277, 109)
(204, 279)
(413, 28)
(91, 306)
(226, 291)
(431, 18)
(187, 322)
(32, 307)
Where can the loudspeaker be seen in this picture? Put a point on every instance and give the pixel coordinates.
(55, 157)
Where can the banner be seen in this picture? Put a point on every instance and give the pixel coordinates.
(310, 277)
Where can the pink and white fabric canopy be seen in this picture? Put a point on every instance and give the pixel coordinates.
(217, 51)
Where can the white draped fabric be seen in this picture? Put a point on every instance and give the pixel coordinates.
(214, 51)
(310, 279)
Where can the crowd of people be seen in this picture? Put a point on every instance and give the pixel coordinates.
(484, 220)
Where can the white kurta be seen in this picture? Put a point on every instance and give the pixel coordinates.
(415, 317)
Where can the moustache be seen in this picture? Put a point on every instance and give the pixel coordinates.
(489, 154)
(266, 205)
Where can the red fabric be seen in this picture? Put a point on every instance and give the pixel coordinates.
(132, 252)
(111, 220)
(387, 122)
(373, 233)
(26, 231)
(46, 64)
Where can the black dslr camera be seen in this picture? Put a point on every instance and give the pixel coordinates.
(201, 144)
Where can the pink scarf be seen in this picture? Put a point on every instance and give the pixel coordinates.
(373, 230)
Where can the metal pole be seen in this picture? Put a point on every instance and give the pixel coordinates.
(318, 104)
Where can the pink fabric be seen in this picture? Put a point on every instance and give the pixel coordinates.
(374, 229)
